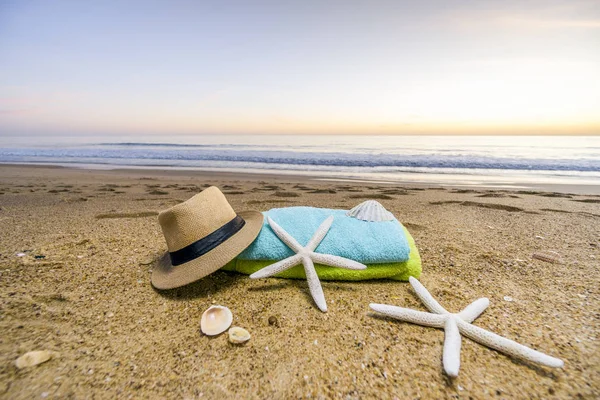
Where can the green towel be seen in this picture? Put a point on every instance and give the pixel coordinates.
(398, 271)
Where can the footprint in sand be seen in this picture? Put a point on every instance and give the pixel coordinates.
(234, 192)
(496, 195)
(371, 196)
(141, 214)
(482, 205)
(251, 202)
(325, 191)
(286, 194)
(400, 192)
(594, 201)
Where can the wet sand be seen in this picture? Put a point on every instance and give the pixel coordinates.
(82, 290)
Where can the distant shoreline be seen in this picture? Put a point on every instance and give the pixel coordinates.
(268, 175)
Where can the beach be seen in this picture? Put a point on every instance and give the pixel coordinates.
(78, 246)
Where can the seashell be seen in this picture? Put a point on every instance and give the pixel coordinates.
(33, 358)
(238, 335)
(215, 320)
(370, 210)
(548, 256)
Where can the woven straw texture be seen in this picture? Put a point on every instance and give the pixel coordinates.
(193, 220)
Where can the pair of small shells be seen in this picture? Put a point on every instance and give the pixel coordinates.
(217, 319)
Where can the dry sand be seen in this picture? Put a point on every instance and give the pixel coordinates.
(83, 290)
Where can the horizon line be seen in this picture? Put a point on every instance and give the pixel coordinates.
(297, 134)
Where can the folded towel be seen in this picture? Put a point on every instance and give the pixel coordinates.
(397, 271)
(362, 241)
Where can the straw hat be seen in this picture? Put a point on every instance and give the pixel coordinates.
(203, 234)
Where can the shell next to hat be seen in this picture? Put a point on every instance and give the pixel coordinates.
(193, 220)
(371, 211)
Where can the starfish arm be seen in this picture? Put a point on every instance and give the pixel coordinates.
(412, 316)
(506, 346)
(335, 261)
(284, 236)
(474, 310)
(319, 234)
(277, 267)
(426, 297)
(314, 285)
(452, 342)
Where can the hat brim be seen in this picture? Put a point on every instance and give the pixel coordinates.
(166, 276)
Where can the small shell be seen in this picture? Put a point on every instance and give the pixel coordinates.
(238, 335)
(216, 320)
(370, 210)
(548, 256)
(33, 358)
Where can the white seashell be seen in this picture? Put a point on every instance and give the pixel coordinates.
(33, 358)
(215, 320)
(238, 335)
(370, 210)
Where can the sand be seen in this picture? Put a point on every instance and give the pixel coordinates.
(82, 291)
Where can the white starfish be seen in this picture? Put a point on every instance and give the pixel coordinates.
(307, 256)
(456, 324)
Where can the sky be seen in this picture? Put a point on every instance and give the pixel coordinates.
(299, 67)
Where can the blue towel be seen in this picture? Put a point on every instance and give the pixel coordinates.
(362, 241)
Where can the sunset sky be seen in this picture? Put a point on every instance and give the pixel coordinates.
(371, 67)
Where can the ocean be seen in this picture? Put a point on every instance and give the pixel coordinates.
(495, 161)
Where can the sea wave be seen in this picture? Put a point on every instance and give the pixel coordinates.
(148, 155)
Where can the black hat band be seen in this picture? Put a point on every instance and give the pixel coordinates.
(207, 243)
